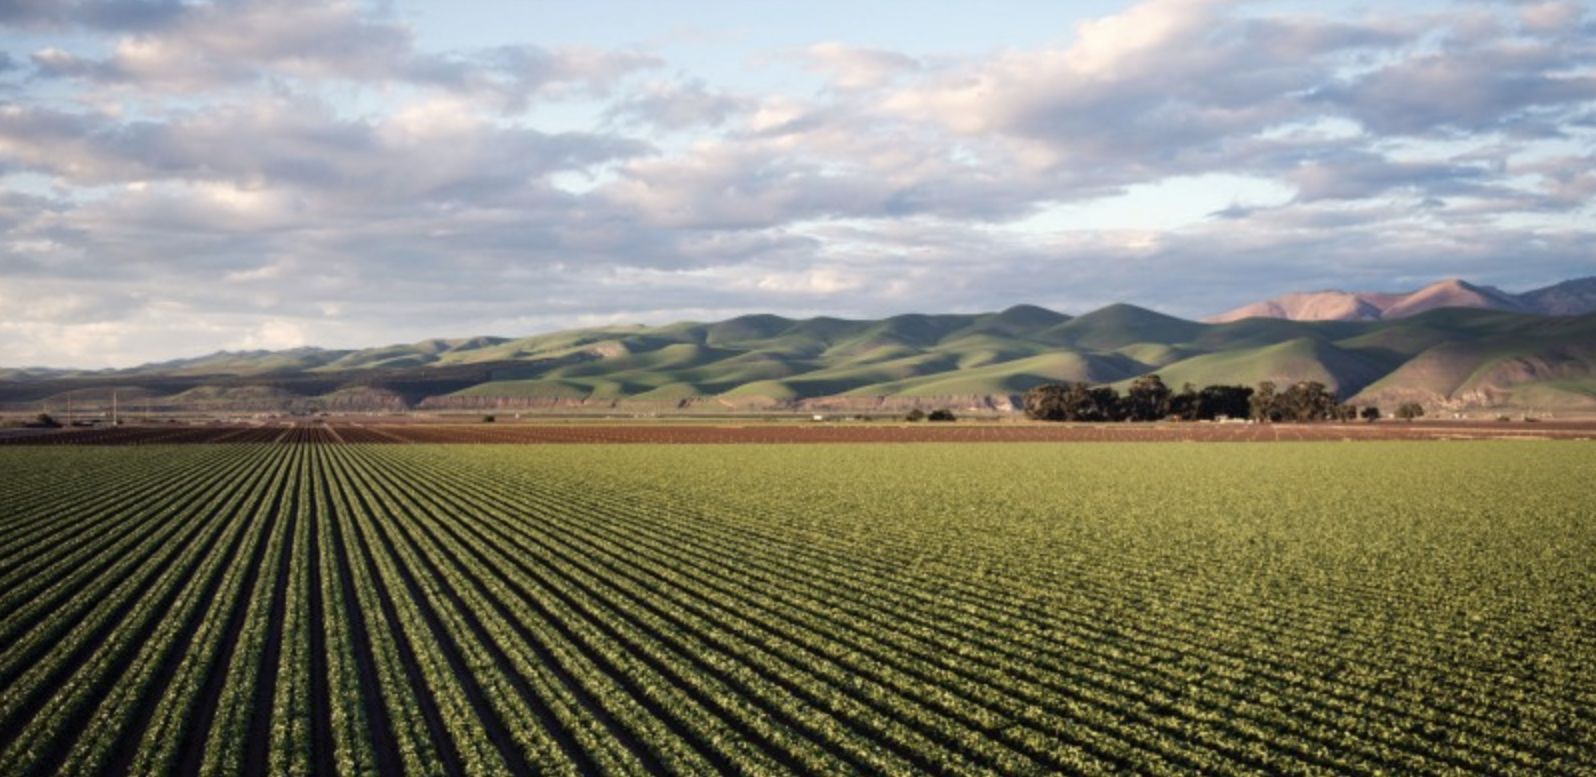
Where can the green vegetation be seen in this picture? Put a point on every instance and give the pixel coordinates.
(1162, 609)
(1148, 399)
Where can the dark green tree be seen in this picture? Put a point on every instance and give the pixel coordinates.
(1214, 402)
(1184, 404)
(1264, 404)
(1045, 402)
(1147, 399)
(1103, 404)
(1408, 411)
(1307, 400)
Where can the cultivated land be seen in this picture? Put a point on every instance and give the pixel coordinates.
(771, 432)
(287, 608)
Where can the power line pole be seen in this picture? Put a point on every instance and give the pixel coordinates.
(114, 421)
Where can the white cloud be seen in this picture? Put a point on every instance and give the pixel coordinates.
(274, 334)
(853, 67)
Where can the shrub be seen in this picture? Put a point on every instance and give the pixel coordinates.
(941, 415)
(915, 415)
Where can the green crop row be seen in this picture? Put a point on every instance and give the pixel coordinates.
(1311, 608)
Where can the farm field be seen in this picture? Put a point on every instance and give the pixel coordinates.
(696, 433)
(280, 607)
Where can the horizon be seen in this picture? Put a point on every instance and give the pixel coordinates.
(350, 173)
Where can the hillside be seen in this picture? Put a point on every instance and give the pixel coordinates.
(1449, 357)
(1569, 298)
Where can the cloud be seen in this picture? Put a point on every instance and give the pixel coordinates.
(274, 335)
(1480, 78)
(260, 173)
(852, 67)
(111, 15)
(432, 150)
(1357, 175)
(210, 44)
(1167, 87)
(509, 76)
(678, 105)
(1557, 17)
(207, 46)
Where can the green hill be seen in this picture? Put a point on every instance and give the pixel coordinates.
(1444, 357)
(1283, 363)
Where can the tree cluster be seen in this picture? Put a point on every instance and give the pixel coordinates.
(1073, 402)
(1306, 400)
(1148, 399)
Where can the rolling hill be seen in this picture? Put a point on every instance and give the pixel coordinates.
(1569, 298)
(1452, 357)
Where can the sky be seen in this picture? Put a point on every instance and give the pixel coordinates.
(178, 178)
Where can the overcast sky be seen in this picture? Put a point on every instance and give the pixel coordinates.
(178, 178)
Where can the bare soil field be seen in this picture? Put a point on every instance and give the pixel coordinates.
(798, 433)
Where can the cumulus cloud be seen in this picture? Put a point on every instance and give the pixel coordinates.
(1166, 87)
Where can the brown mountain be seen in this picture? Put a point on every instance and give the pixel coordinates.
(1569, 298)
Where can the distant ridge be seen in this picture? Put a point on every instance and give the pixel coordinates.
(1569, 298)
(1449, 345)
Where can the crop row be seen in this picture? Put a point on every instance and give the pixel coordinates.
(295, 609)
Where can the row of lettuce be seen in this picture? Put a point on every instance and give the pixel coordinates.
(419, 610)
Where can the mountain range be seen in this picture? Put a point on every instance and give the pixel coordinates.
(1569, 298)
(1452, 357)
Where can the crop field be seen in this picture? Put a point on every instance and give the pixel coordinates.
(765, 433)
(281, 607)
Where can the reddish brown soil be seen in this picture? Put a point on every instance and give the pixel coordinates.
(788, 432)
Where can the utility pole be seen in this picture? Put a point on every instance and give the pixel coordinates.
(114, 421)
(69, 410)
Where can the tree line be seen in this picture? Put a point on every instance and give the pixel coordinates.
(1148, 399)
